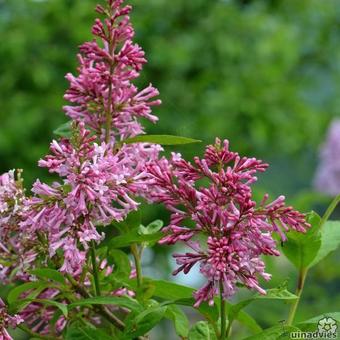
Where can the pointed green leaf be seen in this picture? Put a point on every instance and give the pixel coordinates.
(16, 292)
(143, 322)
(47, 273)
(161, 139)
(121, 301)
(179, 319)
(133, 236)
(151, 228)
(276, 332)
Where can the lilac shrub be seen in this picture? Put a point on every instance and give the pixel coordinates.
(66, 248)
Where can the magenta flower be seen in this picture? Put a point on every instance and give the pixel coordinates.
(6, 321)
(237, 231)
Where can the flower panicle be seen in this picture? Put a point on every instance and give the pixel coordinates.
(237, 230)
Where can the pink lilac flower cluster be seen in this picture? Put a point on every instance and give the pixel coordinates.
(96, 171)
(6, 321)
(237, 231)
(93, 177)
(103, 87)
(100, 176)
(327, 177)
(16, 251)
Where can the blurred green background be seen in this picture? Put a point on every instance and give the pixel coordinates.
(264, 74)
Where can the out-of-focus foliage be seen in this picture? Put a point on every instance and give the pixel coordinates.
(262, 73)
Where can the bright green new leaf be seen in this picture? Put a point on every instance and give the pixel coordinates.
(161, 139)
(151, 228)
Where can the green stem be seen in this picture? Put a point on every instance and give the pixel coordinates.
(304, 271)
(301, 282)
(102, 310)
(330, 210)
(138, 265)
(222, 313)
(95, 268)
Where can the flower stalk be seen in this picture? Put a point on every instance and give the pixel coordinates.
(304, 271)
(95, 268)
(222, 313)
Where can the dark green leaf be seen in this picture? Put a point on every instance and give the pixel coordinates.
(202, 330)
(161, 139)
(51, 274)
(301, 249)
(179, 319)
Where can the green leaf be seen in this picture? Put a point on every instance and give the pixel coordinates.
(78, 331)
(202, 330)
(276, 332)
(161, 139)
(182, 295)
(121, 262)
(301, 249)
(330, 240)
(16, 292)
(151, 228)
(121, 301)
(316, 319)
(248, 321)
(51, 274)
(133, 236)
(144, 321)
(272, 294)
(62, 307)
(179, 319)
(64, 130)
